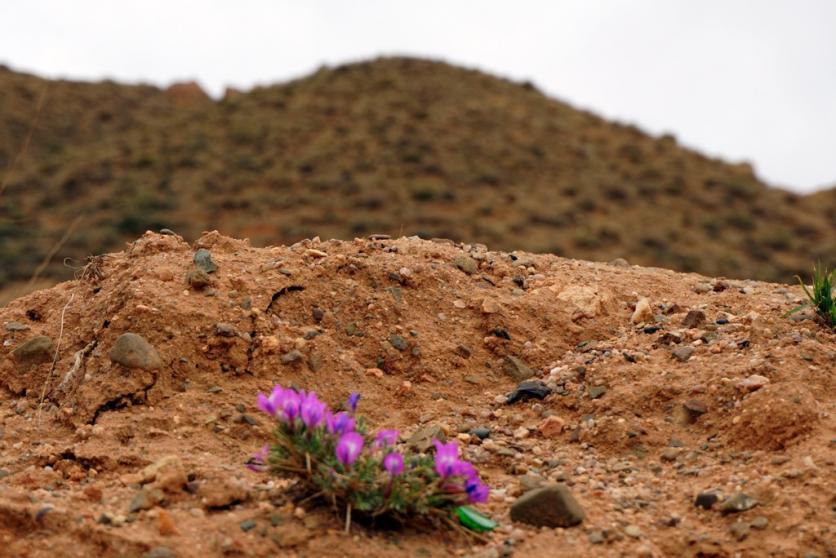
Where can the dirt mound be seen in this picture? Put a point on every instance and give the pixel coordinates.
(159, 351)
(394, 145)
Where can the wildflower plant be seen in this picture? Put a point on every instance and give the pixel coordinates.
(339, 461)
(820, 298)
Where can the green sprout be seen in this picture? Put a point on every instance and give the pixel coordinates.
(821, 297)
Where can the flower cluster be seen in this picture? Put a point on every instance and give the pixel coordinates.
(333, 454)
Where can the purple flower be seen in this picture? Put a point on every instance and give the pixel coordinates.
(386, 438)
(393, 463)
(288, 402)
(312, 410)
(465, 469)
(446, 458)
(349, 448)
(339, 423)
(270, 404)
(352, 401)
(258, 461)
(477, 491)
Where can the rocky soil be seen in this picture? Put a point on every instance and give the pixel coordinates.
(649, 413)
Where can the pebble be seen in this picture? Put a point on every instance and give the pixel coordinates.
(692, 410)
(739, 530)
(702, 288)
(160, 552)
(549, 506)
(16, 326)
(37, 350)
(706, 500)
(466, 264)
(740, 502)
(682, 354)
(133, 351)
(552, 426)
(248, 525)
(167, 473)
(530, 389)
(146, 499)
(597, 391)
(752, 383)
(633, 531)
(481, 432)
(760, 523)
(203, 260)
(198, 279)
(693, 319)
(291, 357)
(516, 368)
(398, 342)
(643, 312)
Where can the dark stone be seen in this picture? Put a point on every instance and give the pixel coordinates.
(549, 506)
(398, 342)
(133, 351)
(651, 329)
(692, 410)
(248, 525)
(225, 330)
(37, 350)
(16, 326)
(694, 318)
(481, 432)
(516, 368)
(203, 260)
(706, 500)
(317, 314)
(291, 357)
(463, 351)
(501, 332)
(531, 389)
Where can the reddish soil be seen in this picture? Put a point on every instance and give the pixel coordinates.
(634, 457)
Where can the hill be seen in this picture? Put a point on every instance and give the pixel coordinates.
(661, 392)
(396, 146)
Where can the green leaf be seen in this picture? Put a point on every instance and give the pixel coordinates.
(474, 520)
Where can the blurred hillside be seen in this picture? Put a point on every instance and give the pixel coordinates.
(397, 146)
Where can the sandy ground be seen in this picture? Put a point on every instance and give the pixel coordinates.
(703, 387)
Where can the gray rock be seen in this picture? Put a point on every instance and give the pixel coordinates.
(481, 432)
(225, 330)
(133, 351)
(739, 530)
(682, 354)
(760, 523)
(398, 342)
(596, 537)
(466, 264)
(248, 525)
(34, 351)
(198, 279)
(530, 389)
(203, 260)
(160, 552)
(740, 502)
(16, 326)
(597, 391)
(694, 318)
(146, 499)
(516, 368)
(291, 357)
(549, 506)
(422, 439)
(633, 531)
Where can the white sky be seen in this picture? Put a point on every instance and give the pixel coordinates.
(746, 80)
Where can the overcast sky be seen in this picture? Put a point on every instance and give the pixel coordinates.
(746, 80)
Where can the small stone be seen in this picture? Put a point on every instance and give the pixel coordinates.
(633, 531)
(597, 391)
(516, 368)
(682, 354)
(398, 342)
(490, 306)
(739, 530)
(146, 499)
(740, 502)
(531, 481)
(670, 454)
(221, 493)
(422, 439)
(694, 319)
(133, 351)
(291, 357)
(549, 506)
(702, 288)
(521, 433)
(37, 350)
(643, 312)
(706, 500)
(16, 326)
(203, 260)
(481, 432)
(225, 330)
(198, 279)
(530, 389)
(692, 410)
(466, 264)
(93, 493)
(160, 552)
(248, 525)
(760, 523)
(752, 383)
(619, 262)
(552, 426)
(596, 537)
